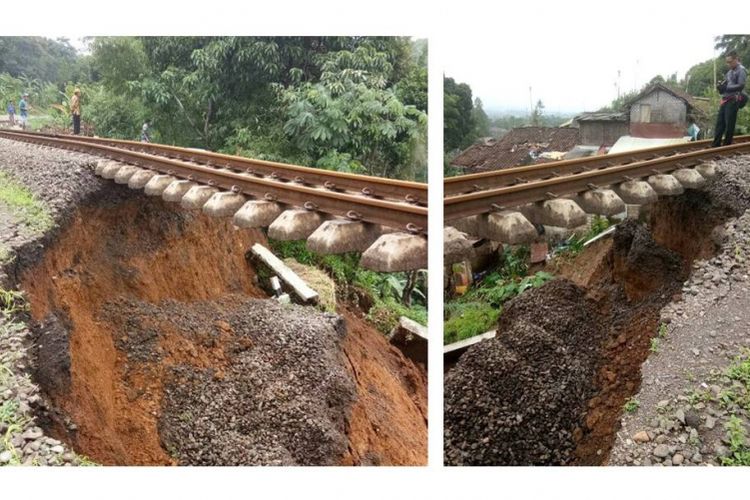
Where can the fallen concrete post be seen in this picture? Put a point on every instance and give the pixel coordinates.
(224, 204)
(177, 190)
(294, 224)
(452, 352)
(257, 213)
(341, 236)
(707, 169)
(157, 184)
(411, 339)
(395, 252)
(636, 193)
(300, 288)
(601, 202)
(560, 212)
(456, 246)
(110, 170)
(140, 178)
(689, 178)
(666, 185)
(197, 196)
(125, 173)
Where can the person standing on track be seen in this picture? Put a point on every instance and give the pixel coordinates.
(731, 94)
(11, 109)
(75, 109)
(23, 109)
(144, 133)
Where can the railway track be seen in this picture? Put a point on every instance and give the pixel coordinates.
(355, 211)
(487, 192)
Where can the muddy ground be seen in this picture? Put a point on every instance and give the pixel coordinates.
(151, 343)
(560, 401)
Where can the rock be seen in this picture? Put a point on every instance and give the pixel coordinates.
(710, 423)
(661, 451)
(57, 449)
(680, 415)
(661, 438)
(677, 459)
(641, 437)
(5, 457)
(32, 434)
(692, 419)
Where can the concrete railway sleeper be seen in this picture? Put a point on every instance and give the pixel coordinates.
(391, 235)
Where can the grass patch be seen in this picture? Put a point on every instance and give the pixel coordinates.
(385, 289)
(737, 438)
(575, 244)
(12, 302)
(655, 345)
(468, 319)
(631, 405)
(14, 422)
(24, 204)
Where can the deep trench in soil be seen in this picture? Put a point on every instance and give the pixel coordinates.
(550, 387)
(155, 345)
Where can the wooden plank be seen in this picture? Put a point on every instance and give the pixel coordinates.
(286, 275)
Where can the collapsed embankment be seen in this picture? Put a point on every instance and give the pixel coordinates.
(550, 387)
(153, 345)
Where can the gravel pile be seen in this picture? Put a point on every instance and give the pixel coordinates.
(518, 398)
(280, 398)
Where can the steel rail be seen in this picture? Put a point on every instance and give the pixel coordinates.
(469, 183)
(465, 205)
(375, 187)
(357, 207)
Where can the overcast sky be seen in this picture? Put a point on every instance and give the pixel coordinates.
(569, 72)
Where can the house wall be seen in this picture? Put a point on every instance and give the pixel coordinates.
(658, 114)
(598, 133)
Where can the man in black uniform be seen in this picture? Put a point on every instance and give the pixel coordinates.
(731, 91)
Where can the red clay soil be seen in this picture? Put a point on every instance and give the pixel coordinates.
(388, 423)
(107, 372)
(98, 254)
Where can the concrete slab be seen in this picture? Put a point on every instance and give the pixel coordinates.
(507, 226)
(469, 225)
(411, 339)
(707, 169)
(295, 224)
(125, 173)
(396, 252)
(110, 170)
(601, 202)
(556, 235)
(456, 246)
(341, 236)
(177, 190)
(560, 212)
(224, 204)
(636, 193)
(197, 196)
(157, 184)
(666, 185)
(689, 178)
(100, 166)
(140, 178)
(257, 213)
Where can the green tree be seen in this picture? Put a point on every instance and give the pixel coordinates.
(458, 122)
(481, 120)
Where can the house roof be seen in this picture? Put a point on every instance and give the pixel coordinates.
(689, 100)
(601, 117)
(520, 146)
